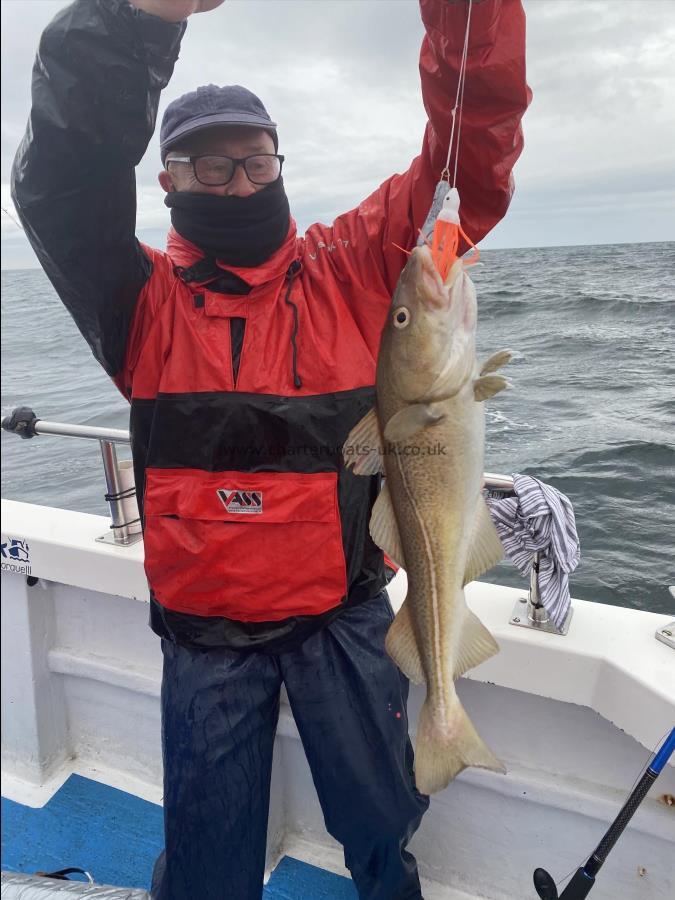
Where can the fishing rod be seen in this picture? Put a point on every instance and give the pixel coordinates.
(584, 878)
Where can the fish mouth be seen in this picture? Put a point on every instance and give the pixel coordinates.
(434, 292)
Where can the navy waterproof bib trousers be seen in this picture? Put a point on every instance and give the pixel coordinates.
(219, 717)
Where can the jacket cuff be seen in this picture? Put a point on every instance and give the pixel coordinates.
(159, 39)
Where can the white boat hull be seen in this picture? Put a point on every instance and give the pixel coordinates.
(573, 718)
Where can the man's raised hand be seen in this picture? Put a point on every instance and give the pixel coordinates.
(175, 10)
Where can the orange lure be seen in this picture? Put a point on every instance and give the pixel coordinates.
(446, 235)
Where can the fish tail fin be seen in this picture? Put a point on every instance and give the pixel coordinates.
(443, 750)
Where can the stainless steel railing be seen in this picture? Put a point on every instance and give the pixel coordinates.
(121, 493)
(501, 483)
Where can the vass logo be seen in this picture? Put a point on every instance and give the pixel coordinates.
(246, 502)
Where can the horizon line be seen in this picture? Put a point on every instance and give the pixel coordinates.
(483, 250)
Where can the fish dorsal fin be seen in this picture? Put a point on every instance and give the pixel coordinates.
(401, 645)
(362, 451)
(384, 529)
(496, 361)
(410, 420)
(485, 548)
(488, 385)
(475, 646)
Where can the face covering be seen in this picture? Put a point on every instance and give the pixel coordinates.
(239, 231)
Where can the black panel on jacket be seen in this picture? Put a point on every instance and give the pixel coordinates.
(237, 328)
(252, 432)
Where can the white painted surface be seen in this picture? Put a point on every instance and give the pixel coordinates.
(63, 548)
(81, 676)
(485, 834)
(35, 737)
(609, 661)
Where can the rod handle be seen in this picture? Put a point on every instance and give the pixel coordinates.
(22, 421)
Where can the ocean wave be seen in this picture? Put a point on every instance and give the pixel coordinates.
(495, 417)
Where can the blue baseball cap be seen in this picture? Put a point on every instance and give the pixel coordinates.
(212, 105)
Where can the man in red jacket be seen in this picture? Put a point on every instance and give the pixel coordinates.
(247, 354)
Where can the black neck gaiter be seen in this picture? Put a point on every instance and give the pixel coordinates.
(240, 231)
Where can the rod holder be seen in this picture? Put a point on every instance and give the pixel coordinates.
(121, 499)
(529, 611)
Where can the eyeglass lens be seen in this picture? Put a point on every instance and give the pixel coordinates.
(263, 169)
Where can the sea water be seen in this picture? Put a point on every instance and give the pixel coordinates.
(591, 410)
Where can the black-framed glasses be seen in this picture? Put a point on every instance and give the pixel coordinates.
(261, 168)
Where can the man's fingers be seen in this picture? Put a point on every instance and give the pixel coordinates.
(206, 5)
(175, 10)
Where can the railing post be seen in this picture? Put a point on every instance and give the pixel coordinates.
(115, 495)
(535, 611)
(529, 611)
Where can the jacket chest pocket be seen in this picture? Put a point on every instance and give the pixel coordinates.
(201, 353)
(248, 546)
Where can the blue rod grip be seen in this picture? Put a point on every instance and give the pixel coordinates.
(664, 754)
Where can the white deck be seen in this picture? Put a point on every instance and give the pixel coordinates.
(574, 718)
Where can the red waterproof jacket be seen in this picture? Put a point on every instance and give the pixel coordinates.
(254, 531)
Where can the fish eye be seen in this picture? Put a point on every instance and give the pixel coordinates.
(401, 317)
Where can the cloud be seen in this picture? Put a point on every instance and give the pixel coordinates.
(340, 77)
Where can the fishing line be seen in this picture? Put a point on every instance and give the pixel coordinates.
(653, 754)
(459, 99)
(442, 229)
(8, 213)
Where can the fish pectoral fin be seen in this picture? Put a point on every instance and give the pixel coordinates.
(384, 528)
(475, 646)
(485, 548)
(488, 385)
(496, 361)
(362, 451)
(401, 645)
(443, 750)
(411, 419)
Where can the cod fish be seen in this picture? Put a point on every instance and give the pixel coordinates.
(426, 434)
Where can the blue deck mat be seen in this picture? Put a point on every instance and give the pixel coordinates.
(117, 837)
(295, 880)
(114, 835)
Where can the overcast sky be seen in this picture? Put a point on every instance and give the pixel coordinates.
(340, 77)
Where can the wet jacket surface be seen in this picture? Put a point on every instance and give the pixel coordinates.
(255, 534)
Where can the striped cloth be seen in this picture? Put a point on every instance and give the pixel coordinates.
(539, 518)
